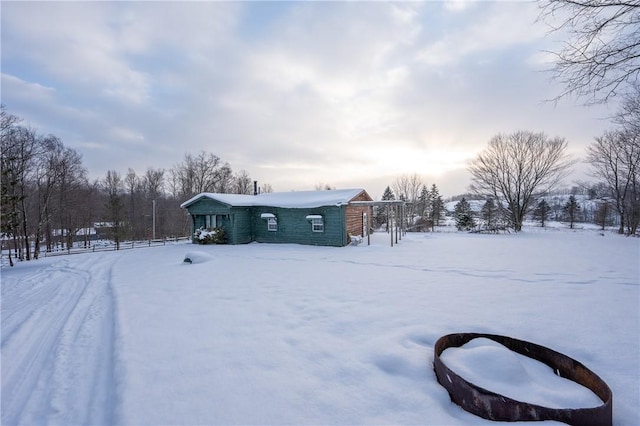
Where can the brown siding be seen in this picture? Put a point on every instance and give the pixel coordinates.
(354, 214)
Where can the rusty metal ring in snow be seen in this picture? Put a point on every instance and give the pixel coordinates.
(492, 406)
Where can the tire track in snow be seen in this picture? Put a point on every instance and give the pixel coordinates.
(58, 344)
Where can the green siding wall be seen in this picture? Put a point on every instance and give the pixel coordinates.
(208, 206)
(241, 225)
(293, 227)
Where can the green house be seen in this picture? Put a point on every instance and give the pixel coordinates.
(326, 218)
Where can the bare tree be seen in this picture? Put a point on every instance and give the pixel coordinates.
(153, 183)
(174, 185)
(518, 167)
(602, 214)
(266, 188)
(19, 153)
(45, 184)
(112, 186)
(195, 174)
(243, 183)
(615, 160)
(70, 180)
(134, 186)
(223, 182)
(8, 197)
(202, 173)
(602, 56)
(322, 187)
(87, 209)
(153, 187)
(628, 117)
(40, 183)
(407, 188)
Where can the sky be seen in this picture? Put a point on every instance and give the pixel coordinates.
(297, 94)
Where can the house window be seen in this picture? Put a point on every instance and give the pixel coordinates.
(272, 221)
(317, 223)
(210, 221)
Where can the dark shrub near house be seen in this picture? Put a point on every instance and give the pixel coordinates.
(210, 236)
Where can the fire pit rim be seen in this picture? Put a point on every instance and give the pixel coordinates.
(492, 406)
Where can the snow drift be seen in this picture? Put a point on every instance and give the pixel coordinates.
(287, 334)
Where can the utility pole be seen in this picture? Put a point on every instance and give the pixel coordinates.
(154, 220)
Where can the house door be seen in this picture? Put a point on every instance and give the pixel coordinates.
(222, 220)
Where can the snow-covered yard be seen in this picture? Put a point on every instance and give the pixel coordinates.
(288, 334)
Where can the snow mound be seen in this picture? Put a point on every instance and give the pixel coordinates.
(494, 367)
(197, 257)
(485, 361)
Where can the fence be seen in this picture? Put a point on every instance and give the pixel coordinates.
(97, 246)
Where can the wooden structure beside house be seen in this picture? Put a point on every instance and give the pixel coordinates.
(326, 218)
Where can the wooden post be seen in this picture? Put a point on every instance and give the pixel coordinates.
(365, 225)
(402, 224)
(390, 220)
(397, 214)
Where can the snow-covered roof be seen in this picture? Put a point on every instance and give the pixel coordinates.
(293, 199)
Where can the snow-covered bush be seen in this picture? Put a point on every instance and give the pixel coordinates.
(355, 240)
(210, 236)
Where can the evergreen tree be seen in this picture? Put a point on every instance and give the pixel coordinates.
(388, 194)
(541, 212)
(464, 216)
(437, 207)
(423, 211)
(570, 211)
(424, 202)
(382, 216)
(490, 214)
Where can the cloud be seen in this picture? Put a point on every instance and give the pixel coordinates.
(296, 93)
(32, 92)
(112, 49)
(495, 26)
(457, 5)
(74, 45)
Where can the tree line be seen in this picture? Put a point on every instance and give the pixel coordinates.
(516, 171)
(424, 206)
(599, 61)
(519, 169)
(48, 201)
(576, 208)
